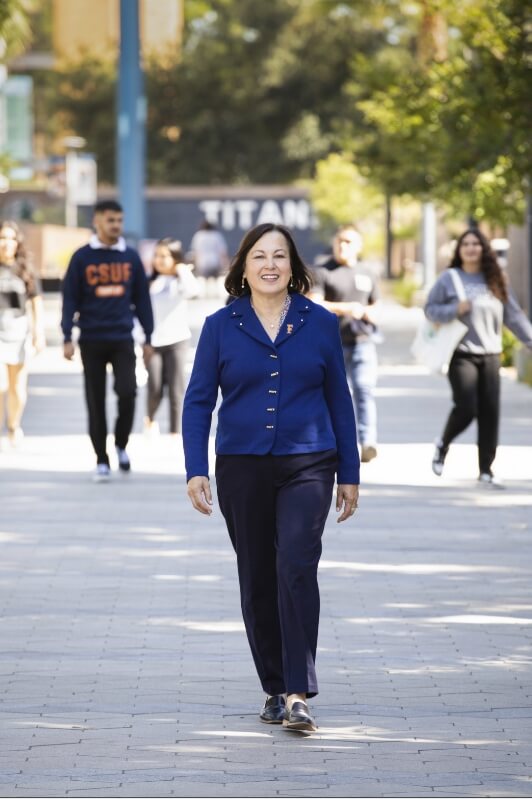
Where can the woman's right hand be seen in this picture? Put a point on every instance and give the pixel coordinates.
(199, 491)
(464, 306)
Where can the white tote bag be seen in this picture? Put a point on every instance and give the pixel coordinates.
(434, 343)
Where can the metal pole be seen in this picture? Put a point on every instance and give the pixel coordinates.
(389, 235)
(428, 241)
(71, 209)
(131, 121)
(528, 240)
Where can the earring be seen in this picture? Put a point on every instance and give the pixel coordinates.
(291, 284)
(243, 284)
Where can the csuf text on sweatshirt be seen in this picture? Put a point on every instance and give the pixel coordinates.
(103, 290)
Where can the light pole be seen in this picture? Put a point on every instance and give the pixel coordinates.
(72, 145)
(131, 120)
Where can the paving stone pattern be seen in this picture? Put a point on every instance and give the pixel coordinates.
(124, 669)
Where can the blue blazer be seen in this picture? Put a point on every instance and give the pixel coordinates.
(285, 397)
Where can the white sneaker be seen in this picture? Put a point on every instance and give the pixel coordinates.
(102, 473)
(124, 463)
(438, 459)
(487, 480)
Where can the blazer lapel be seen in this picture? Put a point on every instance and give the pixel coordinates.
(296, 318)
(245, 319)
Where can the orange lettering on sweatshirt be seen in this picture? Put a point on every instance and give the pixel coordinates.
(102, 274)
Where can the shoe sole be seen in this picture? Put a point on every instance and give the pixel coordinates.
(266, 721)
(299, 726)
(101, 479)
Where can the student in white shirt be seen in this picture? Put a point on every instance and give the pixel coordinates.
(172, 283)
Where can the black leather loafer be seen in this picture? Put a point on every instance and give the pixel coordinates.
(273, 711)
(299, 719)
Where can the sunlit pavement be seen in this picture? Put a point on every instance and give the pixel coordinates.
(124, 667)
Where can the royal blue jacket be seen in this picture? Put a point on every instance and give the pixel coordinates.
(105, 288)
(286, 397)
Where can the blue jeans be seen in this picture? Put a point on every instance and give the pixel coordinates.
(361, 368)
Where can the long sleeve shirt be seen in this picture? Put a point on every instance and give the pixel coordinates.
(169, 296)
(103, 290)
(486, 318)
(284, 397)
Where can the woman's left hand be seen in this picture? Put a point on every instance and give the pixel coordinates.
(346, 498)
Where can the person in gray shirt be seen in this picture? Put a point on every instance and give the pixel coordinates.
(474, 368)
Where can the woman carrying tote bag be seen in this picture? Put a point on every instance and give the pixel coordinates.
(474, 367)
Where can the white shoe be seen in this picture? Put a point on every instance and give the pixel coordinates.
(102, 473)
(438, 459)
(123, 460)
(487, 480)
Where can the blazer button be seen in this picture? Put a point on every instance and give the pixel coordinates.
(269, 427)
(272, 355)
(270, 409)
(274, 374)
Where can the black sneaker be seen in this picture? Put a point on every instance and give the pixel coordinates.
(438, 459)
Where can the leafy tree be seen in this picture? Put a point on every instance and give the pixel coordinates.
(455, 129)
(81, 100)
(428, 98)
(15, 32)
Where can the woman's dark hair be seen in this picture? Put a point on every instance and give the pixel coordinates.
(301, 280)
(174, 247)
(23, 268)
(489, 265)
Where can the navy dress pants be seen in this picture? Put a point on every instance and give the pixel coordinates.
(275, 508)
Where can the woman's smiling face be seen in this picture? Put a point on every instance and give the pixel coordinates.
(268, 269)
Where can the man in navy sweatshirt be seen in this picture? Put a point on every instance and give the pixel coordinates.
(105, 286)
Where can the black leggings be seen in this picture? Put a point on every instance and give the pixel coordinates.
(475, 383)
(167, 366)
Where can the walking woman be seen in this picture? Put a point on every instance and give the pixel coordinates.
(21, 326)
(285, 427)
(474, 368)
(172, 284)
